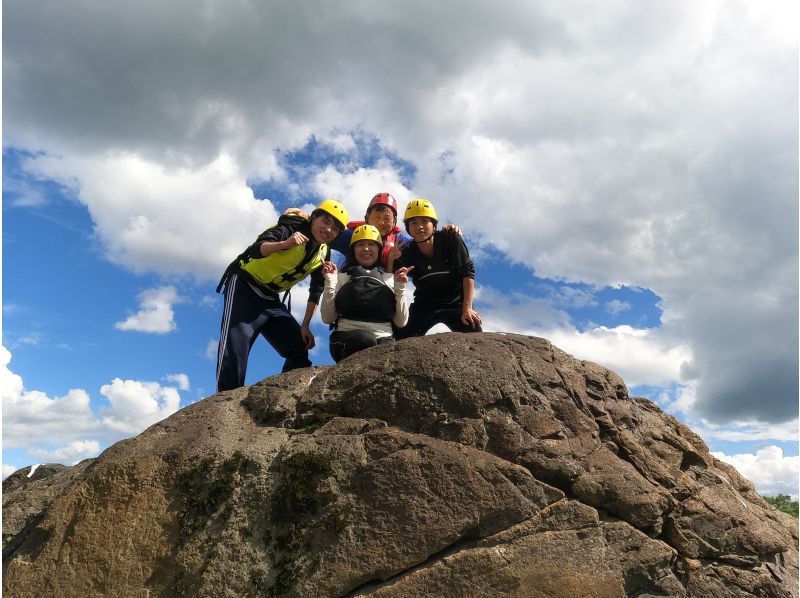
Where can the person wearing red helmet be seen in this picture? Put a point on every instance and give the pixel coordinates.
(382, 214)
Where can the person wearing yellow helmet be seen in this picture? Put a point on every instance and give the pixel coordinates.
(363, 301)
(443, 275)
(382, 214)
(281, 256)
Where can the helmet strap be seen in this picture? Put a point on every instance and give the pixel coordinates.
(426, 239)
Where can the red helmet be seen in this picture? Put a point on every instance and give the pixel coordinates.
(384, 198)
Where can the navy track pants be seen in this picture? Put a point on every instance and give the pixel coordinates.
(245, 316)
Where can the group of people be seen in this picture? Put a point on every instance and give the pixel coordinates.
(364, 300)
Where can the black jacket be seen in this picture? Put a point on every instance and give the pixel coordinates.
(438, 280)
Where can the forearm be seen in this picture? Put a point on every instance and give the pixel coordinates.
(310, 309)
(468, 286)
(327, 306)
(270, 247)
(400, 318)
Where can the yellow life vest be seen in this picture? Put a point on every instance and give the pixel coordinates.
(279, 271)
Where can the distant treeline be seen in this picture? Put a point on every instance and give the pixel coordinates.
(783, 503)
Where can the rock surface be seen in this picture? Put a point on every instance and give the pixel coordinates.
(449, 465)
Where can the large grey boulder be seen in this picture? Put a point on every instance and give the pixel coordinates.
(450, 465)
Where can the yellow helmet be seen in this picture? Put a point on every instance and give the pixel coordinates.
(419, 207)
(336, 209)
(366, 232)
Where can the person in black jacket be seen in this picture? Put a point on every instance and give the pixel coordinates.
(282, 256)
(442, 272)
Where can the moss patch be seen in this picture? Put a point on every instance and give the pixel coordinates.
(207, 486)
(307, 515)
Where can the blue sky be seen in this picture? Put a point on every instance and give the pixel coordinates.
(626, 181)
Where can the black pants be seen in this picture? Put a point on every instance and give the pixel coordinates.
(422, 318)
(343, 344)
(245, 316)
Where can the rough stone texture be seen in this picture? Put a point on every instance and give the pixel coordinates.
(450, 465)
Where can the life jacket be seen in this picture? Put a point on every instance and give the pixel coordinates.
(389, 240)
(281, 270)
(365, 297)
(278, 271)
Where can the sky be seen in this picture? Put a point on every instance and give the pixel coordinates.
(625, 175)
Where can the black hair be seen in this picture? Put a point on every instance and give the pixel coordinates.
(316, 213)
(350, 261)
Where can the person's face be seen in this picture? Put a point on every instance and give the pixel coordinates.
(381, 217)
(366, 252)
(420, 228)
(325, 228)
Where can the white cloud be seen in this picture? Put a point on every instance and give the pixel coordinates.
(640, 356)
(615, 306)
(165, 219)
(32, 420)
(8, 470)
(357, 188)
(748, 431)
(516, 312)
(155, 314)
(771, 472)
(182, 380)
(136, 405)
(608, 144)
(299, 300)
(31, 417)
(210, 301)
(211, 350)
(74, 452)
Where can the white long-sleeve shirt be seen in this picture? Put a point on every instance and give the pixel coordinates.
(328, 313)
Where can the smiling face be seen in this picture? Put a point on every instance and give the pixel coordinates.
(381, 217)
(366, 253)
(324, 227)
(420, 228)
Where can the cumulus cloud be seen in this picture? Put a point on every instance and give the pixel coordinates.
(640, 356)
(167, 219)
(359, 186)
(649, 146)
(32, 420)
(136, 405)
(182, 380)
(156, 314)
(771, 472)
(74, 452)
(31, 417)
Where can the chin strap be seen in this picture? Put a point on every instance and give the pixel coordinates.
(426, 239)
